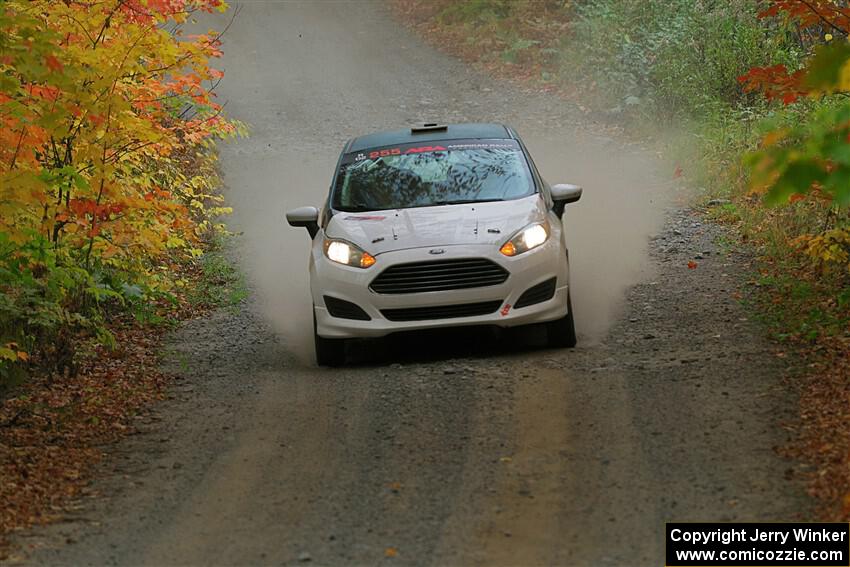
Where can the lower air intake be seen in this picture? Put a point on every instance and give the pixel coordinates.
(342, 309)
(536, 294)
(442, 311)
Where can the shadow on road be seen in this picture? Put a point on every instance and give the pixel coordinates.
(445, 344)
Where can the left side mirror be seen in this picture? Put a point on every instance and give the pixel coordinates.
(308, 217)
(564, 194)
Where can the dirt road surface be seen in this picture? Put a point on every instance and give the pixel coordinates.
(460, 448)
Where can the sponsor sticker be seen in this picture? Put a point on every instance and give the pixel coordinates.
(398, 151)
(479, 146)
(364, 218)
(440, 146)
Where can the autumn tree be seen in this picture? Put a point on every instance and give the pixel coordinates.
(105, 106)
(812, 158)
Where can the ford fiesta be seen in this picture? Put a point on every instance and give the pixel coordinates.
(437, 226)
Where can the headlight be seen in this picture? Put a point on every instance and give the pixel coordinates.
(343, 252)
(528, 238)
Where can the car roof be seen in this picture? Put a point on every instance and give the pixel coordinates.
(430, 133)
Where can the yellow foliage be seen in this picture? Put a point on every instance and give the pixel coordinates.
(830, 249)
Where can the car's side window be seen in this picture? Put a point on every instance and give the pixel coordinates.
(327, 210)
(327, 213)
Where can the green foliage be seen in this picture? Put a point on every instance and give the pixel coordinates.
(43, 302)
(517, 32)
(825, 71)
(477, 11)
(512, 53)
(797, 157)
(673, 59)
(221, 284)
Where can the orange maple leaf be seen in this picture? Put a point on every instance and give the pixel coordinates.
(53, 64)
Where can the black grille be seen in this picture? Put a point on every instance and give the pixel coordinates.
(439, 275)
(345, 309)
(442, 311)
(536, 294)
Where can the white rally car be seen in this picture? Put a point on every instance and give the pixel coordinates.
(437, 226)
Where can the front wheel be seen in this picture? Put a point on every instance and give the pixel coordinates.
(329, 352)
(561, 333)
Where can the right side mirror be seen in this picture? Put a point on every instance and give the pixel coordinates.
(564, 194)
(308, 217)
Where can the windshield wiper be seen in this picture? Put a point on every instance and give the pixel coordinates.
(461, 202)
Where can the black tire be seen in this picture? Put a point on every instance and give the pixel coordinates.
(329, 352)
(561, 333)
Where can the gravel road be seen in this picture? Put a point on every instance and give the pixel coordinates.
(455, 448)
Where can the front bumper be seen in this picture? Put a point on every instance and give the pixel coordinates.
(352, 284)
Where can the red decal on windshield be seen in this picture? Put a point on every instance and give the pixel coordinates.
(384, 153)
(425, 149)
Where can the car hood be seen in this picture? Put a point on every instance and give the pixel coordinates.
(447, 225)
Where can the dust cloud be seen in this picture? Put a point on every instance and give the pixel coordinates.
(273, 255)
(308, 76)
(608, 230)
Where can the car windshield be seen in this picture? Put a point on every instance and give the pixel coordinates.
(400, 178)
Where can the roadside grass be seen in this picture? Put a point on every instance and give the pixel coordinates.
(665, 73)
(511, 38)
(219, 284)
